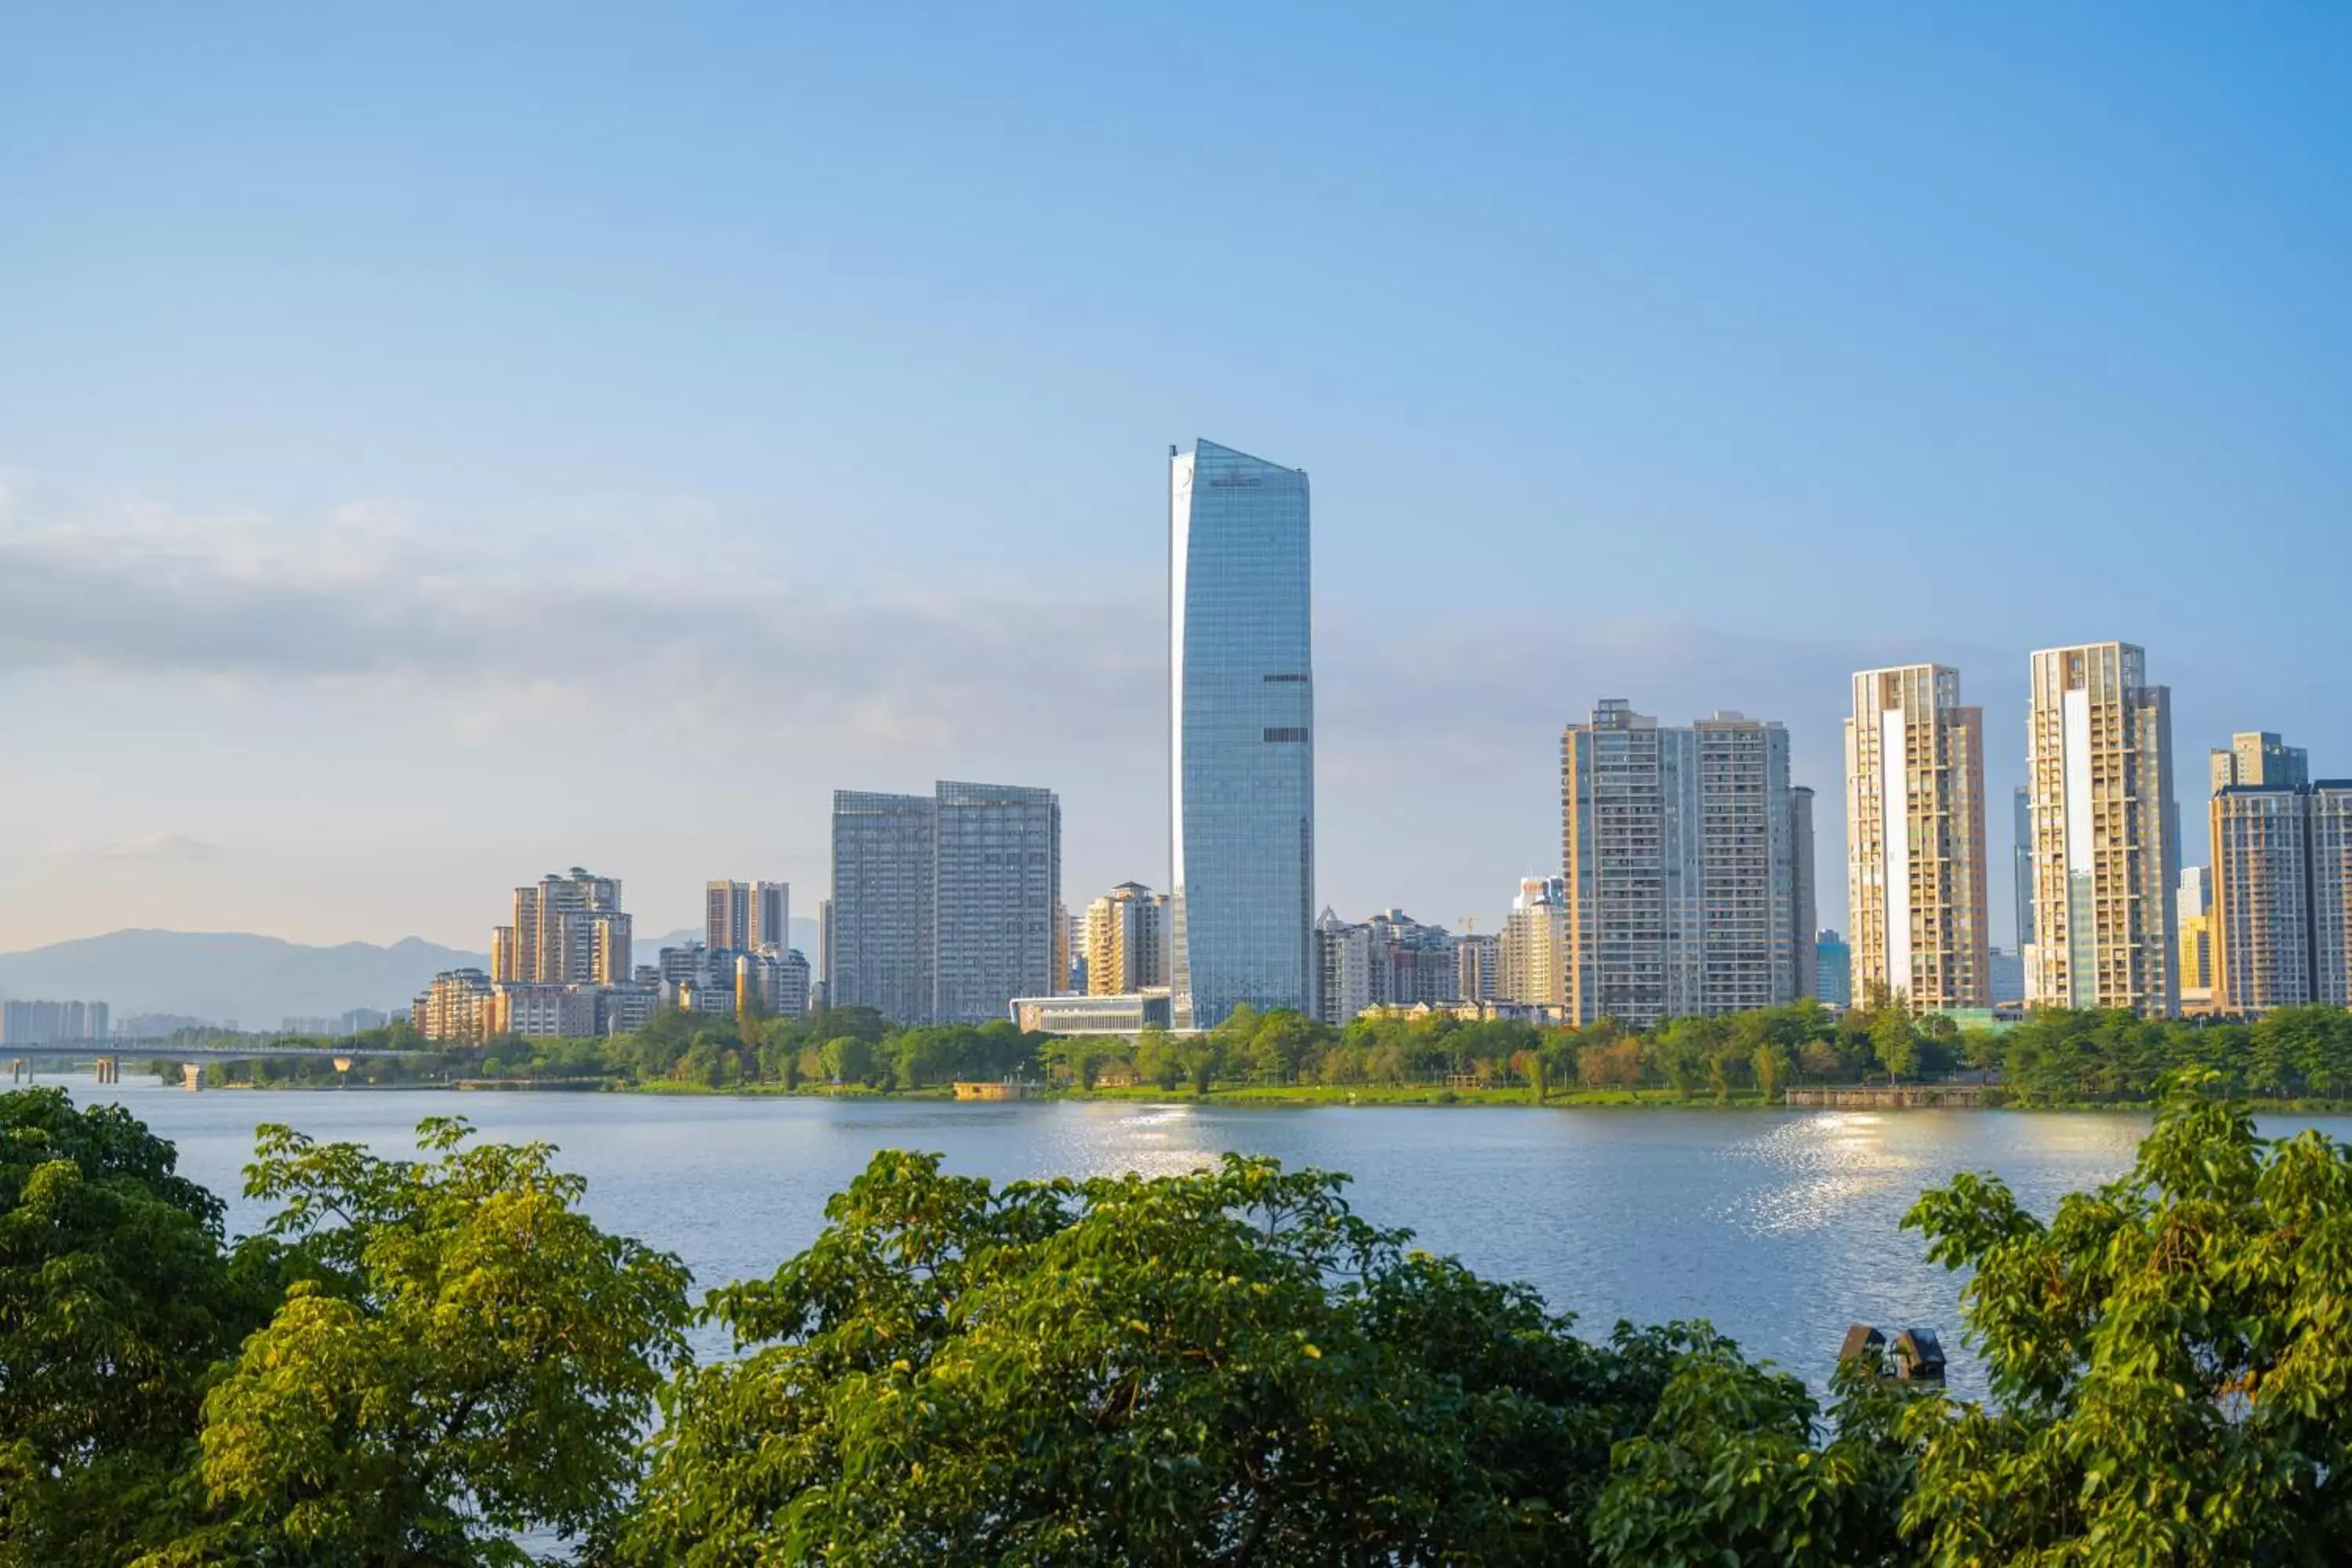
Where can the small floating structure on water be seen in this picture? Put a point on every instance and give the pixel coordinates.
(1007, 1089)
(1915, 1357)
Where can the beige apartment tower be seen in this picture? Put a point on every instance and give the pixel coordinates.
(1916, 840)
(2104, 832)
(1126, 940)
(568, 930)
(1532, 959)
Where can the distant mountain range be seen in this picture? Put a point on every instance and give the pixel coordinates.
(220, 976)
(257, 981)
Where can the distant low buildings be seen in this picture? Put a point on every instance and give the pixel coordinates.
(763, 984)
(51, 1022)
(564, 970)
(336, 1026)
(1389, 961)
(1120, 1015)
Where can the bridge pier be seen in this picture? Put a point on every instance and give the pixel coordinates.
(20, 1071)
(193, 1075)
(109, 1069)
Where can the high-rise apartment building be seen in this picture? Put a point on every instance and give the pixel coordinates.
(1678, 854)
(1242, 705)
(2020, 867)
(1748, 875)
(1126, 941)
(744, 917)
(2256, 759)
(2331, 892)
(565, 968)
(568, 931)
(945, 907)
(727, 916)
(2106, 832)
(2262, 861)
(1343, 957)
(1531, 961)
(878, 936)
(2282, 914)
(771, 917)
(1803, 961)
(997, 908)
(460, 1005)
(1477, 966)
(1915, 840)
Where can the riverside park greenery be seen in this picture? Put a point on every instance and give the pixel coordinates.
(424, 1362)
(2298, 1055)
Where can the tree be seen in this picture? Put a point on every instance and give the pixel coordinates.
(850, 1058)
(1772, 1064)
(2166, 1356)
(463, 1355)
(1226, 1366)
(1734, 1469)
(1612, 1063)
(1895, 1043)
(116, 1301)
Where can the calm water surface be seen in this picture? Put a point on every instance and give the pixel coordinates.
(1779, 1226)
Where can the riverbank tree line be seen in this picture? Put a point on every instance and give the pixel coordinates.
(2053, 1057)
(420, 1362)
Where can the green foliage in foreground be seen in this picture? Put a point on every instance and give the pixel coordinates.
(421, 1359)
(1223, 1367)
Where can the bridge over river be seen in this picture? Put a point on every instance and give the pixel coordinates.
(21, 1057)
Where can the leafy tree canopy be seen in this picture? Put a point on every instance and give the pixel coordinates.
(1223, 1367)
(2170, 1359)
(461, 1355)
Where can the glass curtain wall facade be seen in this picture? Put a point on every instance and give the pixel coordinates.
(879, 925)
(1242, 708)
(997, 900)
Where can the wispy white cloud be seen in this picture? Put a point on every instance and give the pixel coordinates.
(149, 847)
(364, 595)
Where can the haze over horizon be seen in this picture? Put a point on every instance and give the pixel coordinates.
(434, 452)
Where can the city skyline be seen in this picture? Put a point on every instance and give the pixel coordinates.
(321, 512)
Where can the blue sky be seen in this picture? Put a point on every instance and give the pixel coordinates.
(444, 443)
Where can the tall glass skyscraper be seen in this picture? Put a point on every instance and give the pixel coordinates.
(1243, 708)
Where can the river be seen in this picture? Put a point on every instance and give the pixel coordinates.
(1781, 1227)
